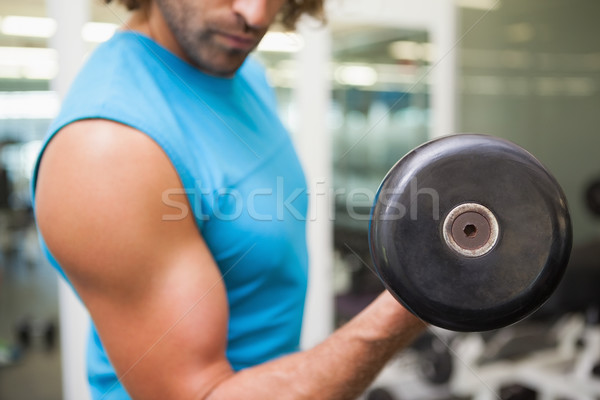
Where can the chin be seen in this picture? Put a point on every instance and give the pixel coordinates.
(221, 67)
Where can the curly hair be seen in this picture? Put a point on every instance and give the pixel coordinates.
(291, 11)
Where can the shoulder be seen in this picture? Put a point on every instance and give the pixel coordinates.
(105, 86)
(91, 143)
(99, 189)
(97, 160)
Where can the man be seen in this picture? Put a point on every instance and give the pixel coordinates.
(158, 196)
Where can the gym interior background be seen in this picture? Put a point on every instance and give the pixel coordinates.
(528, 71)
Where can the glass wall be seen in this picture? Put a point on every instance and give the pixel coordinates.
(380, 111)
(530, 72)
(30, 357)
(28, 290)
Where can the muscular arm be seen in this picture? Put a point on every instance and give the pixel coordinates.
(155, 293)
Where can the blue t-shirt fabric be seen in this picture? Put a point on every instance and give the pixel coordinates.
(241, 174)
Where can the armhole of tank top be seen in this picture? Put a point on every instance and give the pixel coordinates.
(185, 177)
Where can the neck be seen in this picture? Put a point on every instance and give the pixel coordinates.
(151, 23)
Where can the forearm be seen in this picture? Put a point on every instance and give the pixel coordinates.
(341, 367)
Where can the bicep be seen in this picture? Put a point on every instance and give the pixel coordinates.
(150, 284)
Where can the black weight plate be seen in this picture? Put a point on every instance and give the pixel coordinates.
(446, 288)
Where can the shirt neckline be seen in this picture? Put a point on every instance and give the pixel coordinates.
(171, 61)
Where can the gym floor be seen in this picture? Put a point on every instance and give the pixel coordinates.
(26, 291)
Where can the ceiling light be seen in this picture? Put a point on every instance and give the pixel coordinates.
(29, 105)
(28, 26)
(479, 4)
(28, 63)
(406, 50)
(282, 42)
(356, 75)
(520, 33)
(98, 32)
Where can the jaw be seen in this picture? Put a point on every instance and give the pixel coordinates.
(203, 51)
(214, 59)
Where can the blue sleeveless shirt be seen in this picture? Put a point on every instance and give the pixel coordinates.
(239, 170)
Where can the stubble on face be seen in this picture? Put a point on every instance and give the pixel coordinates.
(199, 29)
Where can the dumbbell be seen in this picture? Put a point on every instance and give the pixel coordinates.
(470, 232)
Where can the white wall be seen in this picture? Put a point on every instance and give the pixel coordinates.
(74, 321)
